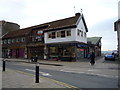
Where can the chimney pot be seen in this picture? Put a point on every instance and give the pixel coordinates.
(77, 14)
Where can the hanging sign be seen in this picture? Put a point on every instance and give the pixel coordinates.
(40, 32)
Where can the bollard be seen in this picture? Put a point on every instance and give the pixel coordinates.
(3, 65)
(37, 73)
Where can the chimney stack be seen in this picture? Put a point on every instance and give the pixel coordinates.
(77, 14)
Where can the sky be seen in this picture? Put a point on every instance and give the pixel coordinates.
(99, 15)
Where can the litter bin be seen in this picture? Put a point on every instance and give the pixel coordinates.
(34, 59)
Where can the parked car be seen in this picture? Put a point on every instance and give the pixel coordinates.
(109, 57)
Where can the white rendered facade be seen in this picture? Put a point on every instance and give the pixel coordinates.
(73, 37)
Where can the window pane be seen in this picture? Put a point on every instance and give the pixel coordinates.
(69, 33)
(23, 39)
(84, 34)
(9, 41)
(53, 34)
(53, 51)
(62, 33)
(78, 32)
(49, 35)
(58, 34)
(81, 33)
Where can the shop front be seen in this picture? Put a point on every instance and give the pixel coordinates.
(35, 51)
(66, 52)
(17, 53)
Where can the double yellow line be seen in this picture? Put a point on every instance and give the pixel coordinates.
(55, 81)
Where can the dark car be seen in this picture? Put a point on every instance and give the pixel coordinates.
(109, 57)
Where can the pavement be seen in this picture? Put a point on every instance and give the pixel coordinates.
(12, 78)
(18, 79)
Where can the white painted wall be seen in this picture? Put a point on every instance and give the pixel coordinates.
(66, 39)
(73, 37)
(81, 27)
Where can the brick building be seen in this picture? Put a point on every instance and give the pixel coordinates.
(64, 39)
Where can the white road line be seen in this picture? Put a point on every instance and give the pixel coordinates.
(90, 73)
(43, 73)
(92, 70)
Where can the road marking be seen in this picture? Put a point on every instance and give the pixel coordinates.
(52, 80)
(92, 70)
(90, 73)
(43, 73)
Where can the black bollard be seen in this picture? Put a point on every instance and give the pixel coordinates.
(3, 65)
(37, 73)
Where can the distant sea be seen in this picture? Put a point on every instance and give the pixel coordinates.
(109, 52)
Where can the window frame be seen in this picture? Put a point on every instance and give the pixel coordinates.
(53, 35)
(63, 35)
(58, 34)
(49, 34)
(81, 33)
(22, 39)
(67, 33)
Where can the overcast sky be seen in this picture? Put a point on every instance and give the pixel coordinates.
(99, 15)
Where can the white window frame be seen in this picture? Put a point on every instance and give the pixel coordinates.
(23, 39)
(9, 41)
(70, 33)
(57, 34)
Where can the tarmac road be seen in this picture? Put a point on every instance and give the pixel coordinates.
(80, 80)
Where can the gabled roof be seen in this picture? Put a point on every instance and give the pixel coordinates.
(17, 33)
(94, 40)
(59, 24)
(70, 22)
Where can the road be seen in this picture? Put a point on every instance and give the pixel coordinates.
(80, 80)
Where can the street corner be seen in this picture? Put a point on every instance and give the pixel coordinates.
(19, 79)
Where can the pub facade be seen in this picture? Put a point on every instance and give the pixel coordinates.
(64, 39)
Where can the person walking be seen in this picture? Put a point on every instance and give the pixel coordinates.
(92, 57)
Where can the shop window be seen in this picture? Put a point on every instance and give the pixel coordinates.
(53, 50)
(49, 35)
(62, 33)
(53, 35)
(67, 51)
(68, 32)
(59, 34)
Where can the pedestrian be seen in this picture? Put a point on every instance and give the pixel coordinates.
(92, 57)
(88, 56)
